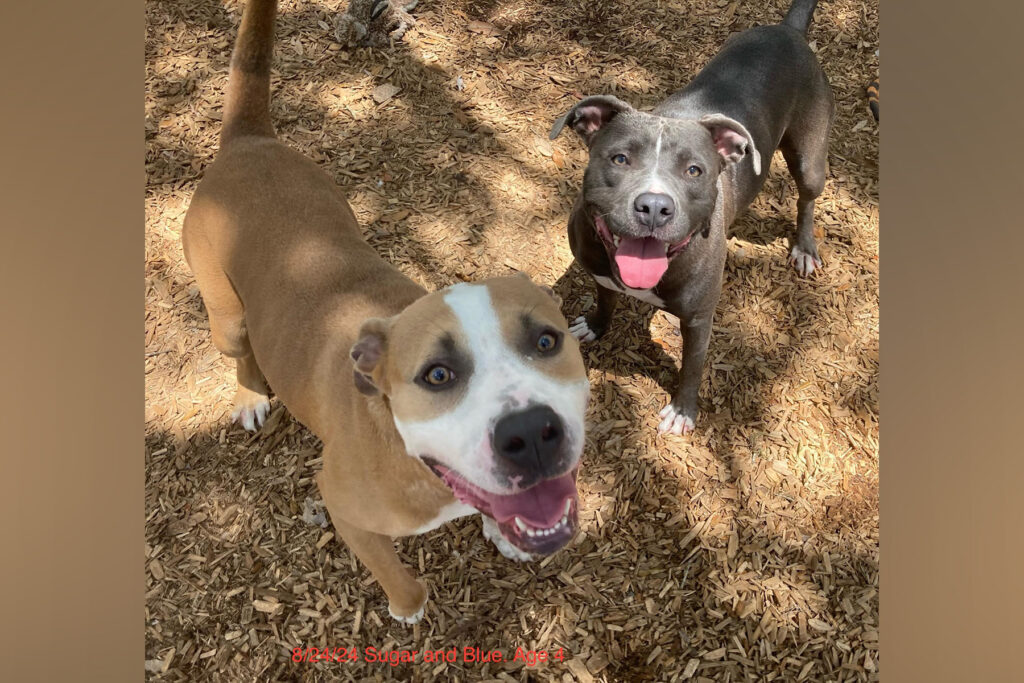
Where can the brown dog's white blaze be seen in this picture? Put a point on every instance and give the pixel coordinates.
(507, 354)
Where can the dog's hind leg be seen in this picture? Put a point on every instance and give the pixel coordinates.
(805, 148)
(227, 327)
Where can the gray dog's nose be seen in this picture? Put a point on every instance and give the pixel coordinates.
(530, 438)
(654, 210)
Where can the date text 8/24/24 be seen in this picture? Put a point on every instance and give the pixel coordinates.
(466, 655)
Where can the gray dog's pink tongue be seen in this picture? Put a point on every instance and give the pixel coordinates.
(641, 261)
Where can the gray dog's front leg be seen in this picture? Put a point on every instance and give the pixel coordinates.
(590, 327)
(680, 415)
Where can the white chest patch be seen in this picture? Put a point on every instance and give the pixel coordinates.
(449, 512)
(642, 294)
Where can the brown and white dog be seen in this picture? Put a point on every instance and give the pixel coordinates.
(430, 406)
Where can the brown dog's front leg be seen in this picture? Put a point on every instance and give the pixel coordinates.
(406, 595)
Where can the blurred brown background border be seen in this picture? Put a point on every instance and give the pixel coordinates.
(72, 344)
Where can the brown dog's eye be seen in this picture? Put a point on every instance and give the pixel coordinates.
(694, 171)
(620, 160)
(547, 342)
(438, 375)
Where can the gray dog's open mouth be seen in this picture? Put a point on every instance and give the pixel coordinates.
(641, 261)
(538, 520)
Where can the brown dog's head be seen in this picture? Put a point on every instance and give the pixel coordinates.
(651, 182)
(488, 388)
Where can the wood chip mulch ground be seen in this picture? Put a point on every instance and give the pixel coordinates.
(747, 552)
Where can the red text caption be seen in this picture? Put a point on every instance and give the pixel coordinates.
(467, 655)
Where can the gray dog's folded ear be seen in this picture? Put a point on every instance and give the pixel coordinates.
(367, 354)
(589, 115)
(732, 139)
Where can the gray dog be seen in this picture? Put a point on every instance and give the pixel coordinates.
(661, 188)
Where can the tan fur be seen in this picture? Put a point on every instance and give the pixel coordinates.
(413, 336)
(519, 297)
(287, 280)
(419, 329)
(289, 284)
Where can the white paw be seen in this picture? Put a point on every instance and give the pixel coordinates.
(674, 422)
(803, 262)
(412, 619)
(493, 534)
(581, 330)
(251, 410)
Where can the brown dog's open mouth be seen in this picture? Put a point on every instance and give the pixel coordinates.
(538, 520)
(641, 261)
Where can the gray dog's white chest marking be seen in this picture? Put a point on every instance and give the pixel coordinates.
(642, 294)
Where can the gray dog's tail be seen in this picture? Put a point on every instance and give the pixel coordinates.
(800, 14)
(247, 105)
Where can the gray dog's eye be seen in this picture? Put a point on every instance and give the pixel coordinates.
(694, 171)
(620, 160)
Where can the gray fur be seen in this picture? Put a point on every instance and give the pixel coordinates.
(764, 91)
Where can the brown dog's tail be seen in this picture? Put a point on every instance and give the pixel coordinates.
(247, 106)
(800, 14)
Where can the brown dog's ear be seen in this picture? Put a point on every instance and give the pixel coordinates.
(367, 354)
(547, 290)
(589, 115)
(550, 292)
(732, 139)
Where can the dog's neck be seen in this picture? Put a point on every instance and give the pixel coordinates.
(725, 204)
(382, 419)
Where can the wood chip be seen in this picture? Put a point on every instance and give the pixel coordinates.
(384, 92)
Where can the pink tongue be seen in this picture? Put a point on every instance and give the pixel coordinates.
(540, 506)
(641, 260)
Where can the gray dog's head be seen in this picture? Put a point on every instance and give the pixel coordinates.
(651, 183)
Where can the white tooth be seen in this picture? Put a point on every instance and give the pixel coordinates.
(531, 532)
(520, 525)
(568, 504)
(565, 520)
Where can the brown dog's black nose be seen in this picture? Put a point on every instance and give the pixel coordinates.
(653, 209)
(530, 438)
